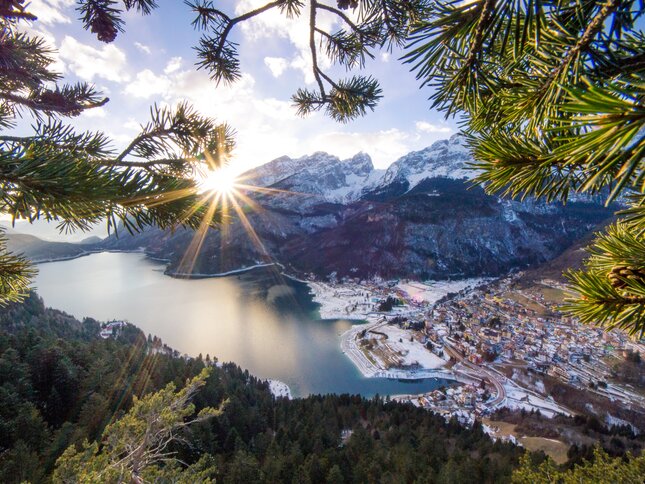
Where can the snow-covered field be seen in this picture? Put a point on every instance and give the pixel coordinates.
(518, 398)
(279, 389)
(410, 352)
(341, 301)
(338, 301)
(353, 352)
(351, 301)
(432, 291)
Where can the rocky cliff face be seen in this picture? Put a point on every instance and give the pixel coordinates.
(444, 159)
(419, 218)
(320, 176)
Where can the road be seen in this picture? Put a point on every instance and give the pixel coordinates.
(481, 372)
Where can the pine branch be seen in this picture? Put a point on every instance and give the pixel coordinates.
(55, 102)
(342, 100)
(60, 175)
(12, 10)
(218, 55)
(611, 289)
(145, 7)
(594, 27)
(312, 48)
(478, 37)
(175, 162)
(339, 13)
(16, 274)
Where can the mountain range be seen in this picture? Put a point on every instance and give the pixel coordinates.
(420, 218)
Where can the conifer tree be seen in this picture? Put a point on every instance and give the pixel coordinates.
(551, 95)
(603, 469)
(136, 448)
(79, 178)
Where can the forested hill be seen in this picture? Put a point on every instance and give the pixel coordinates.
(60, 384)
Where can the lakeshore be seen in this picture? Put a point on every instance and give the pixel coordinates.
(487, 346)
(87, 253)
(241, 318)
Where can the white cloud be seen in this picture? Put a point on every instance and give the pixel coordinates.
(303, 63)
(103, 88)
(94, 113)
(174, 64)
(273, 24)
(132, 125)
(87, 62)
(148, 84)
(142, 47)
(385, 56)
(276, 65)
(426, 127)
(51, 11)
(266, 127)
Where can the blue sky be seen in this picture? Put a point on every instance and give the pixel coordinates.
(153, 61)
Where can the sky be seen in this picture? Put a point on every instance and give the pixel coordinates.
(153, 62)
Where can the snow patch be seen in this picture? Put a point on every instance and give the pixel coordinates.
(341, 301)
(444, 159)
(279, 389)
(612, 421)
(518, 398)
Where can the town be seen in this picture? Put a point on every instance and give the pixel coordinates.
(506, 346)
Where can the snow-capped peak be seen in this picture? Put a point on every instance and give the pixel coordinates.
(324, 176)
(446, 158)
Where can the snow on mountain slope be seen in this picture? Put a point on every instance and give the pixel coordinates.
(322, 176)
(275, 170)
(418, 219)
(445, 158)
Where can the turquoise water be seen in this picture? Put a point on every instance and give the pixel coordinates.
(260, 319)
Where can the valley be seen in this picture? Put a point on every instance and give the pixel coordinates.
(424, 288)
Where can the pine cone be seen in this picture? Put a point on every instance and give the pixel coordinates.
(53, 100)
(618, 274)
(104, 28)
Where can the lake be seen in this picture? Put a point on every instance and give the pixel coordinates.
(260, 319)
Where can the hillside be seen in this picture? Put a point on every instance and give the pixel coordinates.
(571, 258)
(39, 250)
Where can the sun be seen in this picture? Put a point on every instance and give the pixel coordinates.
(222, 181)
